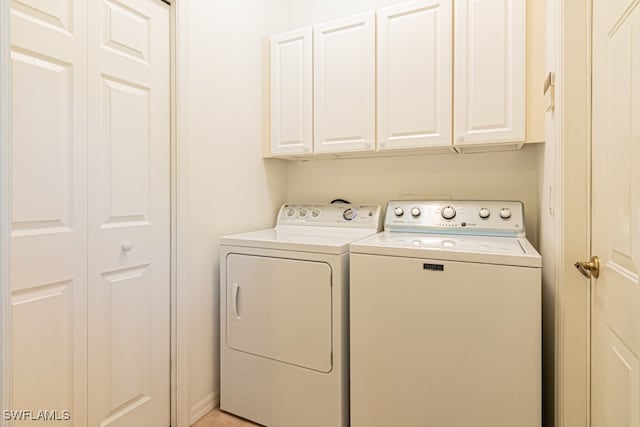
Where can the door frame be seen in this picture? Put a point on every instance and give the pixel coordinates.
(179, 196)
(180, 405)
(5, 207)
(573, 172)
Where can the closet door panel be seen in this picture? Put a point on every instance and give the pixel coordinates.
(128, 226)
(48, 230)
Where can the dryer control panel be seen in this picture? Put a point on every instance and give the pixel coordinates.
(330, 215)
(470, 217)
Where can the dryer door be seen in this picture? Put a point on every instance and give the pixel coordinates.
(280, 309)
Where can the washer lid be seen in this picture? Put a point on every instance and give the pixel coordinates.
(329, 240)
(487, 250)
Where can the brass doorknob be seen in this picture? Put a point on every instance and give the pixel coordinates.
(589, 269)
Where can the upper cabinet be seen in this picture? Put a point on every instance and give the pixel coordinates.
(414, 50)
(344, 85)
(489, 72)
(427, 75)
(292, 93)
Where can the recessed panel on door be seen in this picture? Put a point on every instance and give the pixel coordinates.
(280, 309)
(43, 348)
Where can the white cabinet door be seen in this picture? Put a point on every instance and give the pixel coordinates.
(292, 93)
(49, 201)
(128, 225)
(414, 75)
(344, 85)
(489, 75)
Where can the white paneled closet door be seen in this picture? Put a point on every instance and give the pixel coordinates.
(129, 216)
(49, 199)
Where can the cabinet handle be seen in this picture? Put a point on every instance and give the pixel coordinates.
(126, 246)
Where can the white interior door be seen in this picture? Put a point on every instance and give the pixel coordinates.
(616, 214)
(48, 230)
(128, 226)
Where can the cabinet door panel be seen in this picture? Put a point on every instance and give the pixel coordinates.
(489, 74)
(414, 75)
(344, 85)
(291, 93)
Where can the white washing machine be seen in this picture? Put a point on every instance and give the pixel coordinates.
(284, 319)
(445, 313)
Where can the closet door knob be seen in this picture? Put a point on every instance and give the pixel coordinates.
(127, 246)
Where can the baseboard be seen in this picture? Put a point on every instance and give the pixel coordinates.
(205, 406)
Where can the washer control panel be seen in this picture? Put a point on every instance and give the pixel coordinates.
(330, 215)
(473, 217)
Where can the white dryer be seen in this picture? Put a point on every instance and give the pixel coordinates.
(445, 313)
(283, 305)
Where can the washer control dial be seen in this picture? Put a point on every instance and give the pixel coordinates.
(448, 212)
(398, 211)
(350, 214)
(291, 212)
(505, 213)
(415, 212)
(484, 213)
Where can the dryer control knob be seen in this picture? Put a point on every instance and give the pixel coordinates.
(415, 212)
(505, 213)
(350, 214)
(484, 213)
(448, 212)
(398, 211)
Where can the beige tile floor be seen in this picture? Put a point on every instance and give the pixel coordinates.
(217, 418)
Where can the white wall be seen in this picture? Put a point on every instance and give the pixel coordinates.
(506, 175)
(231, 188)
